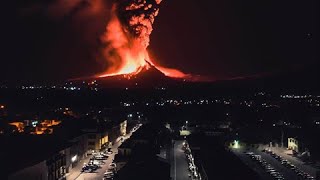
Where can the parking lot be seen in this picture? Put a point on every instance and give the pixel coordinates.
(295, 161)
(296, 170)
(269, 165)
(251, 164)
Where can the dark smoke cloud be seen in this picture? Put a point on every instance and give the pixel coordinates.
(138, 16)
(59, 9)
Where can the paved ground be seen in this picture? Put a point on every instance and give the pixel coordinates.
(179, 162)
(295, 161)
(286, 172)
(251, 164)
(76, 174)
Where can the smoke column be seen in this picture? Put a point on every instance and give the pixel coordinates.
(127, 38)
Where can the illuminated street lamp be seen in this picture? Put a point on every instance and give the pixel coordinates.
(74, 158)
(236, 144)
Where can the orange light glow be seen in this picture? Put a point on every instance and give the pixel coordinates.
(170, 72)
(127, 55)
(18, 125)
(49, 123)
(46, 127)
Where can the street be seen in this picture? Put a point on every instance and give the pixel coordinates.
(100, 172)
(179, 162)
(76, 174)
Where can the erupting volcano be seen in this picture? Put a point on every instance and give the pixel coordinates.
(127, 38)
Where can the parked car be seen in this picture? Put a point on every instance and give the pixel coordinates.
(99, 157)
(108, 174)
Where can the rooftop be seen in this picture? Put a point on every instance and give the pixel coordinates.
(21, 151)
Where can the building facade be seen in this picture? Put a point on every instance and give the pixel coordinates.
(293, 144)
(38, 171)
(57, 165)
(95, 139)
(53, 168)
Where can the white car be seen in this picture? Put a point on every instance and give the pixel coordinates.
(108, 173)
(109, 152)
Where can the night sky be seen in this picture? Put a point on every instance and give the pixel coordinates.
(52, 39)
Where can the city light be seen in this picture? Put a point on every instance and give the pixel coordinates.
(74, 158)
(83, 97)
(236, 144)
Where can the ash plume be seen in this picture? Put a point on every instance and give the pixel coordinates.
(127, 38)
(122, 26)
(138, 16)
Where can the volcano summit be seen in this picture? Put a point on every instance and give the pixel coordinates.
(127, 38)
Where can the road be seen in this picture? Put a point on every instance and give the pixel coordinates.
(76, 172)
(100, 172)
(179, 162)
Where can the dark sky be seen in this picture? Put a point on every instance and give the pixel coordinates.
(52, 39)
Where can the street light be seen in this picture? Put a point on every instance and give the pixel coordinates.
(74, 158)
(236, 144)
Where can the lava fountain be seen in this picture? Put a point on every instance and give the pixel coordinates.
(127, 38)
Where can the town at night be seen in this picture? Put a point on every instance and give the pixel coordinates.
(160, 90)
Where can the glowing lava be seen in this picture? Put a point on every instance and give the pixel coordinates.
(127, 37)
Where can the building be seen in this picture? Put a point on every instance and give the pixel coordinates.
(38, 171)
(53, 168)
(208, 150)
(52, 156)
(293, 144)
(124, 154)
(35, 127)
(137, 157)
(123, 128)
(57, 164)
(145, 168)
(117, 131)
(34, 157)
(78, 149)
(95, 139)
(125, 148)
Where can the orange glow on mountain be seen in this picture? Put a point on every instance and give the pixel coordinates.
(126, 41)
